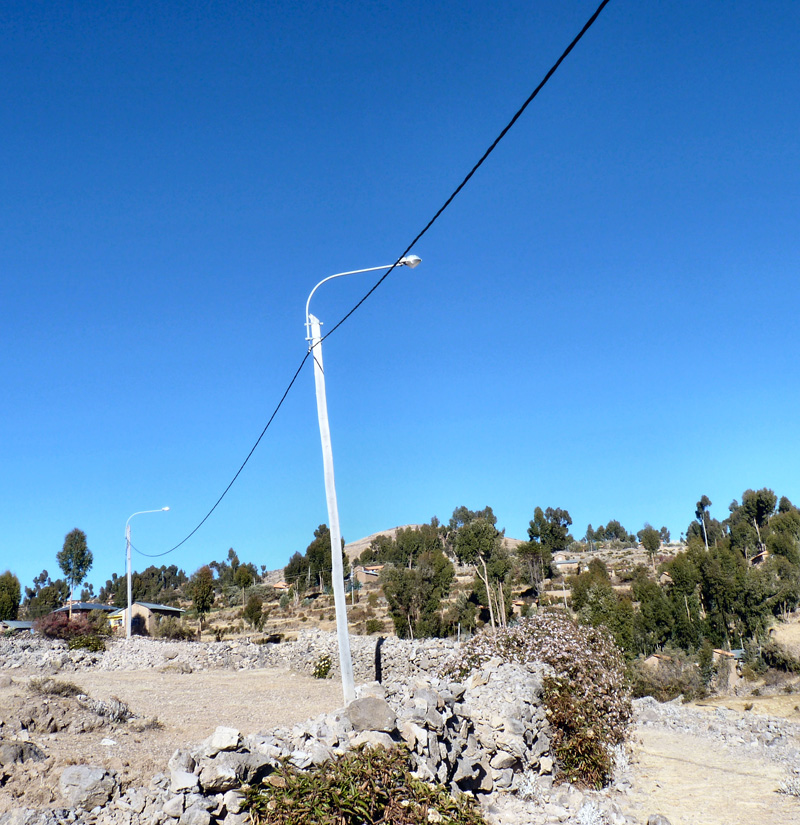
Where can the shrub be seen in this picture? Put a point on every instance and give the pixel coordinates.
(676, 675)
(60, 626)
(48, 686)
(363, 787)
(374, 626)
(96, 644)
(777, 657)
(587, 699)
(253, 612)
(174, 629)
(322, 667)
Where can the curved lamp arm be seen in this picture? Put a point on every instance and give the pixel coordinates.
(139, 513)
(410, 261)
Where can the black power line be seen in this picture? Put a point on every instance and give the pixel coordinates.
(391, 269)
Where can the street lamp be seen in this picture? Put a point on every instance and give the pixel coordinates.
(314, 337)
(128, 554)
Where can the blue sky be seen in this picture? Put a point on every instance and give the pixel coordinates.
(605, 320)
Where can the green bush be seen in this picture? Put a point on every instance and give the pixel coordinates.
(322, 667)
(374, 626)
(253, 612)
(175, 630)
(94, 643)
(364, 787)
(587, 700)
(675, 675)
(778, 658)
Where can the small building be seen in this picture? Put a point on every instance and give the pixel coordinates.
(568, 567)
(518, 605)
(368, 572)
(656, 660)
(736, 655)
(145, 617)
(281, 586)
(15, 626)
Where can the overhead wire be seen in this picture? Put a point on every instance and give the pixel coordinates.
(238, 472)
(589, 23)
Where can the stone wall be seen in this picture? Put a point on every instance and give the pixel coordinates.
(374, 658)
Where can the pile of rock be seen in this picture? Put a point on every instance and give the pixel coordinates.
(485, 734)
(770, 738)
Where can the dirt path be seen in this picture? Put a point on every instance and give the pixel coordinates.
(694, 781)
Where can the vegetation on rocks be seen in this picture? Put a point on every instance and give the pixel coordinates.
(365, 787)
(322, 667)
(587, 698)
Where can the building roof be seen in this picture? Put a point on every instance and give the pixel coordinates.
(15, 624)
(85, 607)
(155, 608)
(163, 608)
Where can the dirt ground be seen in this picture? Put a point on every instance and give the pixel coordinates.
(188, 707)
(690, 780)
(693, 781)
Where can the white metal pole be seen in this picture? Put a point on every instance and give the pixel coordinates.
(128, 554)
(337, 571)
(314, 338)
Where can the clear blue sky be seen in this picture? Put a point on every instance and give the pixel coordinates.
(606, 319)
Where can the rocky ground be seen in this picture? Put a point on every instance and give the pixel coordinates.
(691, 765)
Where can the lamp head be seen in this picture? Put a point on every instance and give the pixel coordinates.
(411, 261)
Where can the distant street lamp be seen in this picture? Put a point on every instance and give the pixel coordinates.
(128, 547)
(314, 337)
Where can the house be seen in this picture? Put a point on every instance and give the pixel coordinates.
(567, 567)
(368, 572)
(281, 586)
(728, 663)
(15, 626)
(656, 660)
(518, 605)
(145, 617)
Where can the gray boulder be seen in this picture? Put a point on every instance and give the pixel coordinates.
(15, 752)
(371, 713)
(86, 786)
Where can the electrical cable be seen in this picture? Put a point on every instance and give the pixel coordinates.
(477, 166)
(391, 269)
(252, 450)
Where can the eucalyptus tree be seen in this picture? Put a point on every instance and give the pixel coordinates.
(75, 560)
